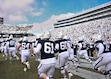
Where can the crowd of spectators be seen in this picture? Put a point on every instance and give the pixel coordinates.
(12, 29)
(88, 29)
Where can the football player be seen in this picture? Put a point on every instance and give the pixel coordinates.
(34, 44)
(26, 50)
(82, 50)
(45, 47)
(103, 55)
(5, 48)
(12, 44)
(1, 48)
(19, 42)
(71, 51)
(62, 47)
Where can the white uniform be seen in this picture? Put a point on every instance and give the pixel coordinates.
(1, 46)
(18, 43)
(25, 48)
(25, 51)
(12, 44)
(104, 59)
(12, 47)
(34, 45)
(104, 56)
(5, 48)
(48, 60)
(82, 51)
(71, 54)
(62, 47)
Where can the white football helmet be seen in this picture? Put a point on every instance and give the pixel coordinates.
(46, 35)
(25, 39)
(82, 38)
(70, 38)
(97, 37)
(65, 37)
(37, 36)
(11, 36)
(60, 35)
(20, 39)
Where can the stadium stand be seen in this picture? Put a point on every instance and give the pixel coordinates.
(16, 31)
(88, 15)
(96, 20)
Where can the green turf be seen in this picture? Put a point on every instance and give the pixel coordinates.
(15, 70)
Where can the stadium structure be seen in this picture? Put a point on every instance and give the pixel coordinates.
(16, 31)
(95, 13)
(96, 20)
